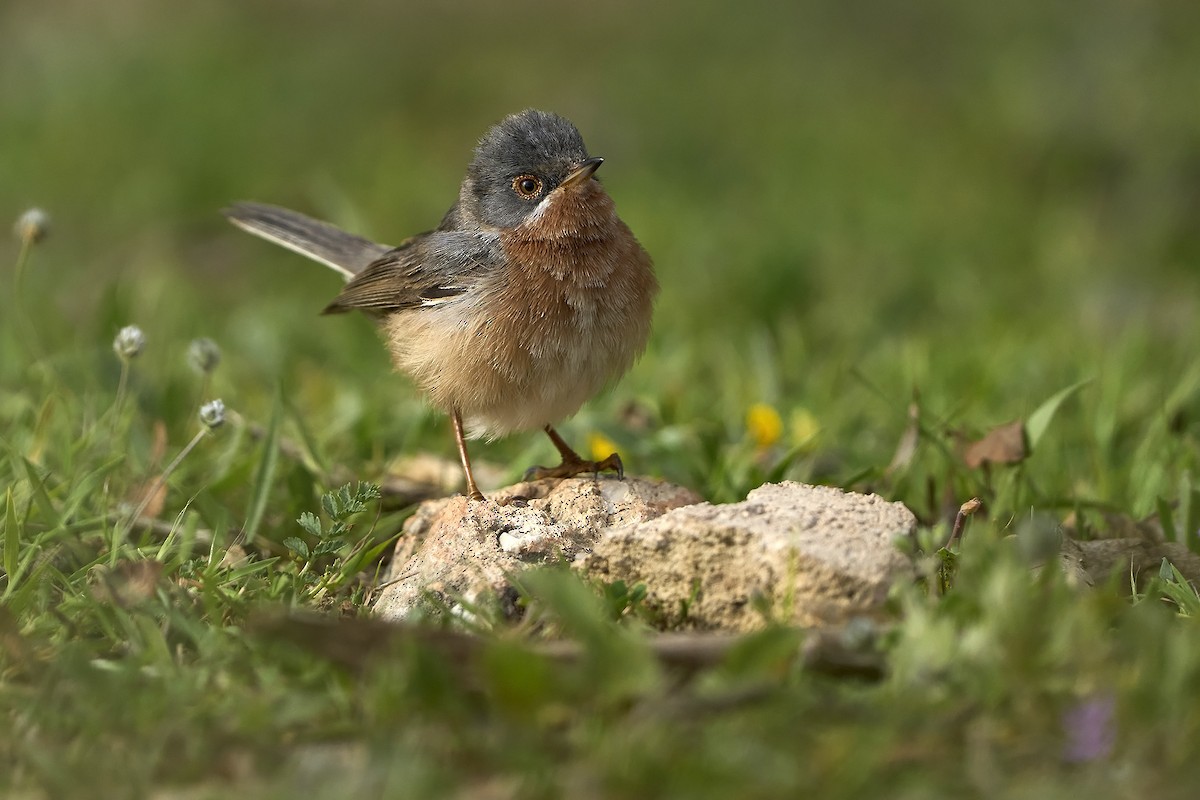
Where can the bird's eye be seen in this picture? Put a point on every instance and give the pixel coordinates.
(527, 186)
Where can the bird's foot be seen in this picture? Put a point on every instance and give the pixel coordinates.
(570, 467)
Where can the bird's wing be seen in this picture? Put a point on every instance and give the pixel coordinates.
(320, 241)
(427, 269)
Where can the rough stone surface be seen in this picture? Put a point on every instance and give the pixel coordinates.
(810, 555)
(457, 548)
(807, 555)
(1098, 559)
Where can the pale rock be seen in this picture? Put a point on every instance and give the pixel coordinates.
(806, 555)
(458, 548)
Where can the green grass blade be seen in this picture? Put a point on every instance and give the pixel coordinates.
(85, 488)
(1189, 512)
(359, 561)
(1040, 419)
(12, 539)
(40, 496)
(1177, 588)
(311, 454)
(264, 474)
(1166, 519)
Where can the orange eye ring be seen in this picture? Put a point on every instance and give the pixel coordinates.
(527, 186)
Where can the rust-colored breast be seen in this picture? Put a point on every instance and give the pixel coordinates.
(567, 312)
(575, 269)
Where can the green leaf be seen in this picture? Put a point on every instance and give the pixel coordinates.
(1165, 571)
(620, 659)
(310, 523)
(328, 546)
(356, 563)
(1177, 588)
(265, 473)
(297, 546)
(237, 573)
(329, 503)
(1039, 420)
(763, 654)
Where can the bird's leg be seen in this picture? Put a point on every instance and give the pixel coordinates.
(472, 490)
(572, 464)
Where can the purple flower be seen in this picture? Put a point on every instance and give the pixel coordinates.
(1091, 729)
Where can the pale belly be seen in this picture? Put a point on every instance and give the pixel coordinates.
(531, 365)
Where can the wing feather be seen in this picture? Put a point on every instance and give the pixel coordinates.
(427, 269)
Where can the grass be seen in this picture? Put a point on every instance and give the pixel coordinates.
(882, 231)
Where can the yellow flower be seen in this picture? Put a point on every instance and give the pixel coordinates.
(804, 427)
(601, 446)
(764, 424)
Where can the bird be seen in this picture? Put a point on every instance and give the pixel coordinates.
(529, 297)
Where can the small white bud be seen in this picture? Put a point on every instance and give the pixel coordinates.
(32, 226)
(130, 342)
(212, 414)
(204, 355)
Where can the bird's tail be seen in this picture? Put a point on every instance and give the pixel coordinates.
(320, 241)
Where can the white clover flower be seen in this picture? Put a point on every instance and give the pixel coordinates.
(212, 414)
(130, 342)
(32, 226)
(204, 355)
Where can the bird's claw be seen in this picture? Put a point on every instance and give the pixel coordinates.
(569, 468)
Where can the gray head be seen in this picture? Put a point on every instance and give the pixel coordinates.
(519, 162)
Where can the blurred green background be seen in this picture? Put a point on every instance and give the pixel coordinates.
(854, 206)
(847, 202)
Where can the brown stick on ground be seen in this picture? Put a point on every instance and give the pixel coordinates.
(354, 643)
(960, 520)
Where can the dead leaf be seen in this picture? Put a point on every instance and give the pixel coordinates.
(234, 557)
(128, 583)
(154, 503)
(1004, 444)
(150, 495)
(158, 450)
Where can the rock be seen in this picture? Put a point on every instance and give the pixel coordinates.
(455, 548)
(1143, 557)
(1071, 562)
(809, 555)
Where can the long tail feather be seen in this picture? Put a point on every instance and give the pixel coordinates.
(320, 241)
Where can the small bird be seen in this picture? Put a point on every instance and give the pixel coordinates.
(528, 298)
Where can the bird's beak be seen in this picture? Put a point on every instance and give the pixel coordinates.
(583, 171)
